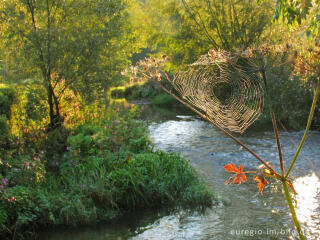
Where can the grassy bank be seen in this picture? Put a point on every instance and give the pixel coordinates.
(87, 173)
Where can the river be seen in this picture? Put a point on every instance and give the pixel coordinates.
(241, 212)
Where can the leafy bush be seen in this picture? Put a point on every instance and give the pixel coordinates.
(291, 95)
(163, 99)
(35, 105)
(150, 91)
(118, 93)
(7, 96)
(4, 130)
(146, 90)
(291, 98)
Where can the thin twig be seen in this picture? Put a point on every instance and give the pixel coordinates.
(274, 122)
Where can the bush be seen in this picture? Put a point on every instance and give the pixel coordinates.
(36, 106)
(7, 96)
(4, 130)
(125, 181)
(291, 99)
(118, 93)
(145, 91)
(163, 99)
(150, 91)
(291, 95)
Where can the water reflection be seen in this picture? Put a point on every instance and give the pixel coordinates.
(172, 227)
(308, 205)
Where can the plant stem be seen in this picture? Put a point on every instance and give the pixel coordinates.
(293, 212)
(284, 177)
(313, 106)
(274, 122)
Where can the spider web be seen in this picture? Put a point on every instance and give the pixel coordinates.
(224, 87)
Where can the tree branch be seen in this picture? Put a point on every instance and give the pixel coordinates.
(200, 25)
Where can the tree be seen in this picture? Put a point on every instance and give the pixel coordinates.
(81, 42)
(294, 12)
(185, 29)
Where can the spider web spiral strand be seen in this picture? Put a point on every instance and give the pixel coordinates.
(199, 84)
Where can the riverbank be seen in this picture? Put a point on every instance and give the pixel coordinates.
(147, 91)
(291, 111)
(89, 173)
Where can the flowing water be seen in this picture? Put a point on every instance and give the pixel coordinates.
(242, 213)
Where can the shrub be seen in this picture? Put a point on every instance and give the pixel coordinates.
(118, 93)
(36, 107)
(7, 96)
(4, 130)
(163, 99)
(146, 90)
(290, 97)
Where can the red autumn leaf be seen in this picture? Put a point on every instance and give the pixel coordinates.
(238, 177)
(261, 182)
(232, 168)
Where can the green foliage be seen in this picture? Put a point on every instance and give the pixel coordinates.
(29, 111)
(294, 12)
(179, 183)
(82, 44)
(124, 181)
(106, 168)
(163, 99)
(186, 29)
(3, 218)
(55, 145)
(290, 101)
(4, 130)
(7, 96)
(146, 90)
(125, 134)
(72, 46)
(291, 93)
(117, 93)
(150, 91)
(36, 108)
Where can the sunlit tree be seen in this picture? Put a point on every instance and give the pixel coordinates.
(185, 29)
(83, 43)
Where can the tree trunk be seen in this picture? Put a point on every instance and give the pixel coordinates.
(54, 113)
